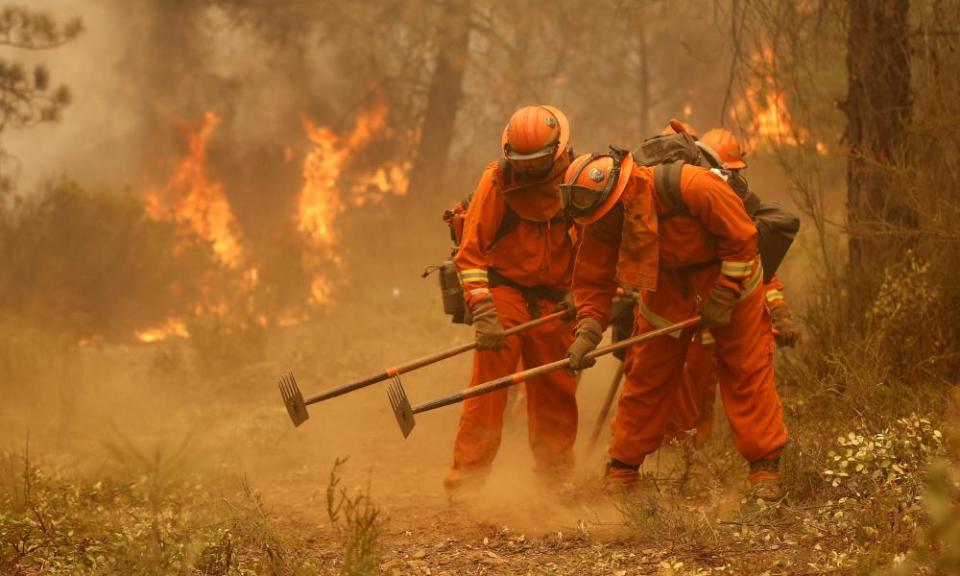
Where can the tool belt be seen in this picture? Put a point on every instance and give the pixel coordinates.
(531, 294)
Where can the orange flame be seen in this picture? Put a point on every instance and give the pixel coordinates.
(333, 181)
(764, 105)
(321, 198)
(172, 327)
(194, 199)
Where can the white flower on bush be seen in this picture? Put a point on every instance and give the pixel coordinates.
(864, 462)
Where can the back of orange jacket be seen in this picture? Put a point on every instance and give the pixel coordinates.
(532, 254)
(717, 237)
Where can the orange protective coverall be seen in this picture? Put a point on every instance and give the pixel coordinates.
(693, 407)
(533, 254)
(688, 255)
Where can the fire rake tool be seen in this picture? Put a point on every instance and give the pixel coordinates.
(605, 409)
(404, 412)
(297, 406)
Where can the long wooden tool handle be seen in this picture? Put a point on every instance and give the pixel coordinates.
(426, 361)
(605, 409)
(519, 377)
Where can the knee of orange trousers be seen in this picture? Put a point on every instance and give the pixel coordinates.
(648, 394)
(552, 398)
(481, 417)
(480, 431)
(745, 371)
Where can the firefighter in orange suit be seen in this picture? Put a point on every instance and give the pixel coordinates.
(707, 264)
(515, 262)
(694, 406)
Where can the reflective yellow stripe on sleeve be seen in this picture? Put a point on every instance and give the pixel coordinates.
(474, 275)
(774, 295)
(752, 284)
(736, 269)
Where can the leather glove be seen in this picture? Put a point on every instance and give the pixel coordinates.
(568, 306)
(786, 332)
(589, 334)
(486, 325)
(718, 309)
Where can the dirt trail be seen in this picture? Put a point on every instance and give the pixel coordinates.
(239, 425)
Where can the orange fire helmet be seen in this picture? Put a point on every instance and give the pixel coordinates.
(725, 144)
(535, 137)
(677, 127)
(593, 183)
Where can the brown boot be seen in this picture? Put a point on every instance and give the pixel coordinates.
(621, 478)
(764, 480)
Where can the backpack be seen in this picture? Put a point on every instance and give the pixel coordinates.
(455, 216)
(777, 226)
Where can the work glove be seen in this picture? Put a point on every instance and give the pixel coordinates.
(486, 325)
(718, 309)
(568, 306)
(589, 334)
(786, 332)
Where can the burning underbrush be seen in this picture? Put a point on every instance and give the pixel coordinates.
(180, 259)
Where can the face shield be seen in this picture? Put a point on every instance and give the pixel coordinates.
(535, 165)
(581, 199)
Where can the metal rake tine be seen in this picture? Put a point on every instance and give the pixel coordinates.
(401, 407)
(293, 399)
(285, 390)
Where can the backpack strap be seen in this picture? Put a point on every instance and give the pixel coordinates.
(666, 182)
(508, 223)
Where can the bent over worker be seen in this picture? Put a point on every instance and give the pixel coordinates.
(694, 406)
(515, 263)
(704, 264)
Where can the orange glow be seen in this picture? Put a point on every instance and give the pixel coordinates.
(172, 327)
(337, 175)
(194, 199)
(325, 183)
(765, 110)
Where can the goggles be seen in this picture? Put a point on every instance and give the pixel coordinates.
(580, 200)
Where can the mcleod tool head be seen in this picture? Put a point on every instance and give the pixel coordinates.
(293, 399)
(401, 407)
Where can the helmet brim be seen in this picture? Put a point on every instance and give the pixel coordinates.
(626, 168)
(543, 152)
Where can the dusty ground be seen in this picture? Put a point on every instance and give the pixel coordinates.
(138, 394)
(238, 433)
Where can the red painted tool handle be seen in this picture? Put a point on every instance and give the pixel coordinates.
(519, 377)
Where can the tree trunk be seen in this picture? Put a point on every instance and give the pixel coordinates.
(878, 110)
(443, 102)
